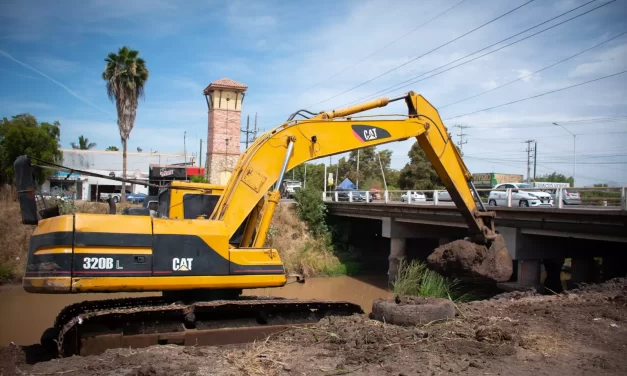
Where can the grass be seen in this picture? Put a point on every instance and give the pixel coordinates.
(415, 279)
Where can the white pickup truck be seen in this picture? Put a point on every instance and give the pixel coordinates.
(117, 195)
(520, 197)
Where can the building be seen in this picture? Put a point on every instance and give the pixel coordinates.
(109, 163)
(224, 99)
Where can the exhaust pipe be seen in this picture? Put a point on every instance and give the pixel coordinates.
(26, 190)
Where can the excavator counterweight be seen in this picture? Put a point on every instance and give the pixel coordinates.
(208, 243)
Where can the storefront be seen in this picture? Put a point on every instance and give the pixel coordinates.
(163, 175)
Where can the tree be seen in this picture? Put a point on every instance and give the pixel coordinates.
(556, 178)
(24, 135)
(418, 173)
(112, 148)
(126, 76)
(83, 144)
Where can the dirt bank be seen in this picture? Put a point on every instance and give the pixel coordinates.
(580, 333)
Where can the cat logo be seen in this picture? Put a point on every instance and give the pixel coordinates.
(182, 264)
(369, 133)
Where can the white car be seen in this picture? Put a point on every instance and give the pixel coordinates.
(524, 198)
(415, 197)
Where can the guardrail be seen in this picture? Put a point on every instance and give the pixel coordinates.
(611, 197)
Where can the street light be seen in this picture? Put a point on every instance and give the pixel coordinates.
(574, 150)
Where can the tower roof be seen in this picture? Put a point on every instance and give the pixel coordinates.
(225, 83)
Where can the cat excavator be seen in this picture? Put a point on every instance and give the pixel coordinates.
(202, 262)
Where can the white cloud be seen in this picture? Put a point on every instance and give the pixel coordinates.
(610, 61)
(524, 74)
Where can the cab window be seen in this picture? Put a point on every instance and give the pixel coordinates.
(195, 205)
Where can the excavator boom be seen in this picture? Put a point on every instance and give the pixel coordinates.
(297, 141)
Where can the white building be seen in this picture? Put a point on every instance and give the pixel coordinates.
(108, 163)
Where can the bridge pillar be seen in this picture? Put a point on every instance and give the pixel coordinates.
(398, 253)
(529, 272)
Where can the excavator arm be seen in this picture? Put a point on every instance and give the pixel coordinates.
(261, 167)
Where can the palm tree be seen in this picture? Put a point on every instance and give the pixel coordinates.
(112, 148)
(83, 144)
(126, 75)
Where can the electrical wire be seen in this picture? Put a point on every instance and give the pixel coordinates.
(531, 74)
(383, 48)
(538, 95)
(411, 81)
(426, 53)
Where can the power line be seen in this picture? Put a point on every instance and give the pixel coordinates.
(531, 74)
(400, 84)
(383, 48)
(433, 50)
(539, 95)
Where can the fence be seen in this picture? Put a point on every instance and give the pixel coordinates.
(611, 197)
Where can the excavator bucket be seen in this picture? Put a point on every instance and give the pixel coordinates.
(463, 258)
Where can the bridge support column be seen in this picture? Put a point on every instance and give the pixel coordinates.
(529, 273)
(398, 253)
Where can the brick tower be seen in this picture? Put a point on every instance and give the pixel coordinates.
(224, 98)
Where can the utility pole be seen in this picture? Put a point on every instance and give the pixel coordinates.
(529, 150)
(357, 168)
(200, 155)
(247, 129)
(385, 185)
(535, 160)
(255, 131)
(461, 137)
(185, 154)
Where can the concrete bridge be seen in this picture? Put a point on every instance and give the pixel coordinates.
(535, 237)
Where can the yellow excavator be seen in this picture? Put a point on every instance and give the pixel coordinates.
(202, 261)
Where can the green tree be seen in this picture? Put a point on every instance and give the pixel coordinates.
(418, 173)
(24, 135)
(556, 178)
(126, 77)
(600, 185)
(112, 148)
(83, 144)
(199, 179)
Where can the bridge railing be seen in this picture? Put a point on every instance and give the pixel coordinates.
(611, 197)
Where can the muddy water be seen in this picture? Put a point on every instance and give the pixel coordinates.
(24, 316)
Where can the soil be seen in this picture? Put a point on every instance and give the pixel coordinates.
(467, 259)
(582, 332)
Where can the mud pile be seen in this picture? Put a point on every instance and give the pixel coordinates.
(462, 258)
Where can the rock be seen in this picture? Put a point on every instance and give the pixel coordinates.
(462, 258)
(412, 311)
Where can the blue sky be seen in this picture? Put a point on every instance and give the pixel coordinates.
(287, 52)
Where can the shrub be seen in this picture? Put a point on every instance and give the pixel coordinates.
(312, 211)
(415, 279)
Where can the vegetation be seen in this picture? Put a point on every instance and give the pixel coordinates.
(418, 173)
(24, 135)
(83, 144)
(199, 179)
(556, 178)
(312, 210)
(112, 148)
(126, 76)
(415, 279)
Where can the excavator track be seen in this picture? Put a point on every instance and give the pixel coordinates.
(90, 327)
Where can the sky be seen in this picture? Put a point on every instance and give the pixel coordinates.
(327, 54)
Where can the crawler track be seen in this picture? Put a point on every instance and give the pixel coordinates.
(94, 326)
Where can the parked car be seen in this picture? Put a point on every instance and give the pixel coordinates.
(524, 198)
(358, 196)
(445, 196)
(415, 197)
(569, 197)
(136, 198)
